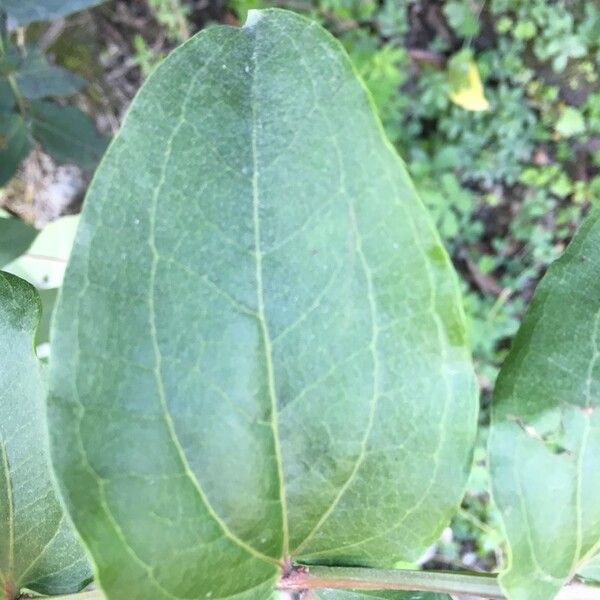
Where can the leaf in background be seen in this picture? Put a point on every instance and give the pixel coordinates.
(466, 89)
(545, 438)
(15, 144)
(7, 98)
(38, 549)
(462, 18)
(15, 239)
(22, 12)
(570, 123)
(591, 570)
(271, 354)
(44, 265)
(10, 59)
(67, 134)
(48, 298)
(37, 78)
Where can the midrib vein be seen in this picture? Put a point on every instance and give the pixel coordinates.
(11, 513)
(25, 572)
(261, 307)
(155, 255)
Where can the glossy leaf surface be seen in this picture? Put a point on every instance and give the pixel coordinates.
(545, 440)
(38, 549)
(259, 350)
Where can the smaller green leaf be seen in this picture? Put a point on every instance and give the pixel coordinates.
(570, 122)
(15, 238)
(10, 60)
(525, 30)
(591, 570)
(38, 549)
(44, 265)
(37, 78)
(15, 144)
(67, 134)
(462, 18)
(545, 436)
(21, 12)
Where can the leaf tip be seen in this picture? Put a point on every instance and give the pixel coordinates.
(253, 17)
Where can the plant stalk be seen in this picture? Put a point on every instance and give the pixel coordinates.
(93, 595)
(358, 578)
(17, 94)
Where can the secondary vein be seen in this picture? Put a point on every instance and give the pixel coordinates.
(154, 337)
(373, 347)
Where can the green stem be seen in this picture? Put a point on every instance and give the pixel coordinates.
(17, 93)
(95, 595)
(13, 84)
(357, 578)
(393, 579)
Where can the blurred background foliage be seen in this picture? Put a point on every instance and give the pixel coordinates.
(494, 105)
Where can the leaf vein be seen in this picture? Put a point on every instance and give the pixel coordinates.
(261, 303)
(373, 343)
(154, 335)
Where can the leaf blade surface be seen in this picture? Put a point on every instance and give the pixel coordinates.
(15, 144)
(15, 238)
(37, 78)
(545, 439)
(307, 300)
(38, 548)
(67, 134)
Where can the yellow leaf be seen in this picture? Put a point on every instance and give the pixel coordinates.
(466, 88)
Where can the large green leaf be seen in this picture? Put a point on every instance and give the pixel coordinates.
(15, 238)
(21, 12)
(38, 549)
(259, 350)
(545, 440)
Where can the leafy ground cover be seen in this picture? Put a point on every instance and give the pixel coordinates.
(494, 106)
